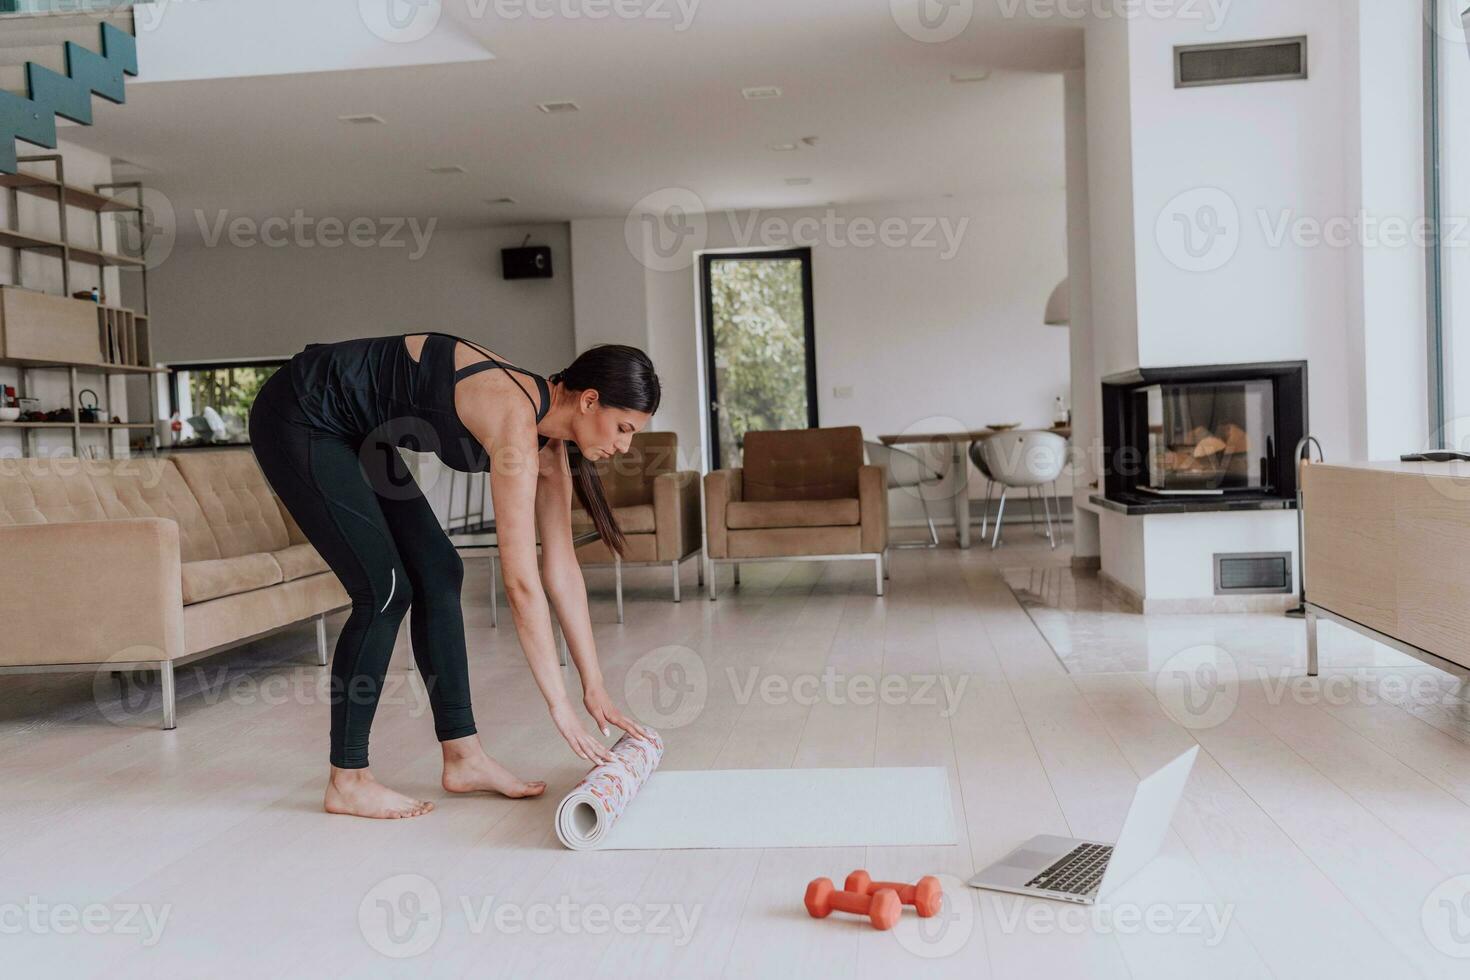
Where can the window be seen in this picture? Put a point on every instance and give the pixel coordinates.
(212, 401)
(1447, 70)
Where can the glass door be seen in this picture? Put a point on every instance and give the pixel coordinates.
(760, 350)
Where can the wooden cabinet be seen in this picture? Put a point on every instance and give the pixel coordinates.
(1388, 551)
(41, 327)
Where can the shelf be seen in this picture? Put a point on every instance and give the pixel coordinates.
(77, 197)
(97, 257)
(18, 239)
(84, 366)
(68, 425)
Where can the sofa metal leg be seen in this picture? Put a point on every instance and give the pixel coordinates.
(166, 680)
(618, 580)
(321, 641)
(494, 600)
(878, 571)
(737, 574)
(710, 579)
(699, 565)
(676, 580)
(887, 564)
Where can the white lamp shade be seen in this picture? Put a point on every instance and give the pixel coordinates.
(1059, 306)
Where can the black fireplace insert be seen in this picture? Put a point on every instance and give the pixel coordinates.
(1216, 437)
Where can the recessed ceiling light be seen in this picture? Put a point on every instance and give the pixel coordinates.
(759, 92)
(798, 181)
(965, 77)
(445, 170)
(782, 147)
(555, 107)
(500, 200)
(362, 119)
(809, 140)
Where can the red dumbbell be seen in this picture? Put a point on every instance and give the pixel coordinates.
(882, 907)
(925, 897)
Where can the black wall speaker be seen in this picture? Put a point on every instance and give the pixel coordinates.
(529, 262)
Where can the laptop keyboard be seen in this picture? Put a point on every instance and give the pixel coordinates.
(1077, 872)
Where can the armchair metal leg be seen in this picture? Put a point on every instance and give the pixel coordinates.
(166, 679)
(878, 573)
(709, 575)
(887, 565)
(700, 566)
(737, 574)
(494, 599)
(1000, 516)
(321, 641)
(1311, 643)
(618, 576)
(676, 581)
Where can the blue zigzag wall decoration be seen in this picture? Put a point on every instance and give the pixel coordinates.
(69, 95)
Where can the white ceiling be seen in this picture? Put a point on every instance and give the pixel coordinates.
(659, 108)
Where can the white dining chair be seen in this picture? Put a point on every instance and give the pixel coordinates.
(1029, 460)
(907, 471)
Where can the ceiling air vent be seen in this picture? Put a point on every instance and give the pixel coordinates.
(1275, 60)
(553, 108)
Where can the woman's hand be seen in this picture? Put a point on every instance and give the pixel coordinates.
(605, 713)
(582, 742)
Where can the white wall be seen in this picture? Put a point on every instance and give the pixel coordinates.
(608, 292)
(231, 302)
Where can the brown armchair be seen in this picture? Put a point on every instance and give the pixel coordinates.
(802, 495)
(656, 505)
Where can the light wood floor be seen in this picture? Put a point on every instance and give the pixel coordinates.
(1314, 833)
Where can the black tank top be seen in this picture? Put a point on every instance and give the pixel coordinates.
(372, 387)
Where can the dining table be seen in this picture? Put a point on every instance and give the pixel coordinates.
(959, 443)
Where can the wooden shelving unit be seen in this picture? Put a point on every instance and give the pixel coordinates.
(123, 339)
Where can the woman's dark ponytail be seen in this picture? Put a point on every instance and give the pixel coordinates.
(623, 377)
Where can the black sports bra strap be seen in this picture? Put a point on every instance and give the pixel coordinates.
(491, 362)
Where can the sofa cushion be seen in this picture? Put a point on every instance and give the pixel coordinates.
(633, 520)
(238, 503)
(204, 580)
(792, 513)
(802, 464)
(233, 618)
(147, 487)
(299, 561)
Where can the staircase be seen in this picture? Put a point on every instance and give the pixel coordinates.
(52, 63)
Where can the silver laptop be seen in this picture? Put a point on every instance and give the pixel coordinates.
(1082, 871)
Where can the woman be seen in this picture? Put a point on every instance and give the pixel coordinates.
(326, 428)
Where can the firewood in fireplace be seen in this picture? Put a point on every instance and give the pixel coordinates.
(1236, 440)
(1209, 446)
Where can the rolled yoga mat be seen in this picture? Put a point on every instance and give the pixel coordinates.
(587, 814)
(747, 808)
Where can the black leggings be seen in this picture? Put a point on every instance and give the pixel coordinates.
(360, 508)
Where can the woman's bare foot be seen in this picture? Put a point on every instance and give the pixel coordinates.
(467, 769)
(356, 793)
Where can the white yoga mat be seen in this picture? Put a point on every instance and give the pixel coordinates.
(747, 808)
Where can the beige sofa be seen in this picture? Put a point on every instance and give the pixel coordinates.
(149, 563)
(800, 495)
(656, 505)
